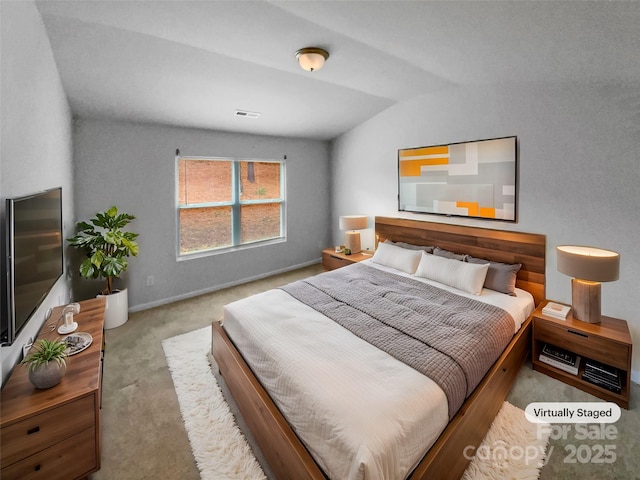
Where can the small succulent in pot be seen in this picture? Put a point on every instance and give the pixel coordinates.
(47, 364)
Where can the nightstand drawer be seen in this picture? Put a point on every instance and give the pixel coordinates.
(36, 433)
(582, 343)
(331, 262)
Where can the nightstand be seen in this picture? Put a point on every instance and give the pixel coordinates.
(332, 260)
(608, 342)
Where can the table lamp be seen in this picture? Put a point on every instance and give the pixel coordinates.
(588, 266)
(351, 223)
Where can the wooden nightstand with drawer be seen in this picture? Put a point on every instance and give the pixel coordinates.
(332, 260)
(608, 342)
(55, 433)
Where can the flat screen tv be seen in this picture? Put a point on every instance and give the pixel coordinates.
(34, 256)
(467, 179)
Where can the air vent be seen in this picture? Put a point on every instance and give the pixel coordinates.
(246, 114)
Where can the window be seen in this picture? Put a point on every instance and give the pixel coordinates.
(227, 202)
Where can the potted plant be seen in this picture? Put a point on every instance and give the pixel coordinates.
(47, 365)
(107, 247)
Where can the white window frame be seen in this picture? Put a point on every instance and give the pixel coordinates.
(235, 203)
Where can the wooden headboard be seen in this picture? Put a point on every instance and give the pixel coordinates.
(497, 245)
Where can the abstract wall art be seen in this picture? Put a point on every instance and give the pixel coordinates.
(468, 179)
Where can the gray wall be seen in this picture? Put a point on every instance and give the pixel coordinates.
(132, 166)
(579, 169)
(35, 142)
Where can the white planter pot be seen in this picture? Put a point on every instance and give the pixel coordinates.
(117, 309)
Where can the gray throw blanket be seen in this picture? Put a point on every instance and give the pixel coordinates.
(452, 339)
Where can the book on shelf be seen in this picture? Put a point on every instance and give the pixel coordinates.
(560, 358)
(556, 310)
(559, 354)
(601, 368)
(604, 382)
(603, 375)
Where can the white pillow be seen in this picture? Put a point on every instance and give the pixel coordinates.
(454, 273)
(397, 257)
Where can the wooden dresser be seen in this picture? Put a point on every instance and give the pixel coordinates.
(55, 433)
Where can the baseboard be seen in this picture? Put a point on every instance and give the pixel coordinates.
(242, 281)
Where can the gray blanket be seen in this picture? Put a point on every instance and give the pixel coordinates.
(452, 339)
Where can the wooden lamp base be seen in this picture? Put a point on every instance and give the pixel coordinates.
(586, 300)
(352, 241)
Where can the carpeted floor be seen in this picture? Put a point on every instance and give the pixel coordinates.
(144, 437)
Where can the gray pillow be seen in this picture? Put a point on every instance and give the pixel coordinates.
(501, 277)
(441, 252)
(410, 246)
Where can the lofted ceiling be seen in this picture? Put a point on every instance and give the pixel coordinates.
(194, 63)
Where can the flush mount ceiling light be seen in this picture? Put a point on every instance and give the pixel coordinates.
(311, 58)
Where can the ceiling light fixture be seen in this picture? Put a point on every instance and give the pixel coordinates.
(311, 58)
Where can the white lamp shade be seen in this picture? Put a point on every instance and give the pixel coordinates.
(588, 266)
(351, 237)
(588, 263)
(354, 222)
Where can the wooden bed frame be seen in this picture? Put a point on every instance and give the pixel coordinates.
(448, 457)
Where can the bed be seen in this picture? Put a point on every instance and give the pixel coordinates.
(433, 430)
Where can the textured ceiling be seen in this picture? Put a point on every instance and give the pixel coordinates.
(194, 63)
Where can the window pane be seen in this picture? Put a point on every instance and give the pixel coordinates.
(204, 228)
(260, 222)
(204, 181)
(259, 180)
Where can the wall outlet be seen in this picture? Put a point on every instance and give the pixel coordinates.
(150, 280)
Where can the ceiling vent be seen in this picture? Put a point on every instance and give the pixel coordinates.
(245, 114)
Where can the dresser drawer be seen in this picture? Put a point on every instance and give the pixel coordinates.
(583, 343)
(31, 435)
(72, 458)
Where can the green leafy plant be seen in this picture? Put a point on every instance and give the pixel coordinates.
(107, 246)
(46, 351)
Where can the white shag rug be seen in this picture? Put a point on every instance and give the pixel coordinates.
(512, 449)
(219, 447)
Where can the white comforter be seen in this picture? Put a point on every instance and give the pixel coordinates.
(361, 413)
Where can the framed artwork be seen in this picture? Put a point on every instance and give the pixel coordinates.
(475, 179)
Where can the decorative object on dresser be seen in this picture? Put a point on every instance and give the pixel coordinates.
(351, 223)
(46, 363)
(55, 433)
(107, 247)
(605, 348)
(589, 266)
(69, 324)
